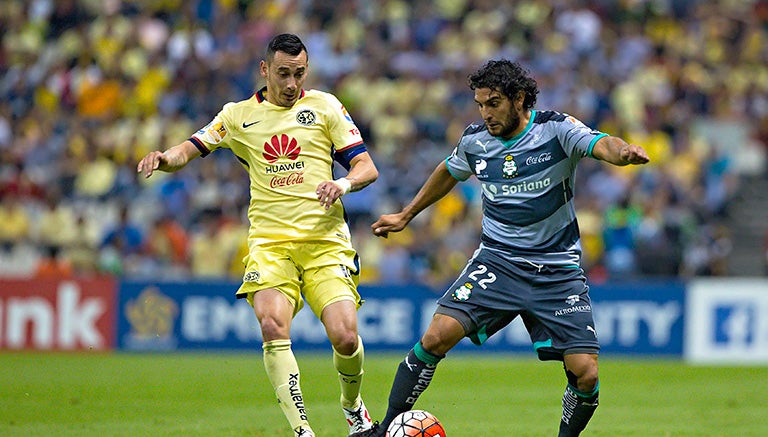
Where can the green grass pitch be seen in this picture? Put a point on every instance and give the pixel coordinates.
(227, 394)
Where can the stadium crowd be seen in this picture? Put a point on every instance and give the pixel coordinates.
(90, 86)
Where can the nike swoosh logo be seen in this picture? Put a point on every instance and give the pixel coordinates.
(247, 125)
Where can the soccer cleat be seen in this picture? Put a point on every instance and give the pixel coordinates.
(374, 431)
(303, 432)
(359, 419)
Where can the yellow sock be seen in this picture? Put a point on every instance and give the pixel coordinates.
(283, 373)
(350, 368)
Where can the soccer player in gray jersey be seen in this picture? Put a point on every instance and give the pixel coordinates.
(528, 261)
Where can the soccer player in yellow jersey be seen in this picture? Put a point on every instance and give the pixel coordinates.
(287, 138)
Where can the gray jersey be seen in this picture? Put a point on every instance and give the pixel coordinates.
(527, 184)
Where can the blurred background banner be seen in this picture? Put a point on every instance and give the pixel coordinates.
(704, 321)
(727, 321)
(640, 317)
(644, 319)
(58, 314)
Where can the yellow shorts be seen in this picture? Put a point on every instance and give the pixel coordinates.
(323, 272)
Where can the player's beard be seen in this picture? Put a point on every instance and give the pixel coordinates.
(507, 129)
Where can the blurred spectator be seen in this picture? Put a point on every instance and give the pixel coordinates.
(15, 222)
(56, 224)
(53, 264)
(168, 244)
(209, 258)
(122, 245)
(708, 254)
(19, 256)
(97, 174)
(394, 265)
(82, 252)
(621, 224)
(590, 226)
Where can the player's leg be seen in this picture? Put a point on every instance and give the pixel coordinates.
(562, 328)
(415, 372)
(580, 399)
(330, 288)
(271, 285)
(340, 321)
(479, 303)
(275, 312)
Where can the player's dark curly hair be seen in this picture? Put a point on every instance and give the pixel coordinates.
(286, 43)
(507, 77)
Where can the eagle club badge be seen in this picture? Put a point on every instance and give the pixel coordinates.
(306, 117)
(509, 168)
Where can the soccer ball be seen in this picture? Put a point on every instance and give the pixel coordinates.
(415, 423)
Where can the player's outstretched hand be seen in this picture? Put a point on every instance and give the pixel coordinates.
(150, 163)
(633, 154)
(388, 223)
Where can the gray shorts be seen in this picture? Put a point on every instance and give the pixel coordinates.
(553, 303)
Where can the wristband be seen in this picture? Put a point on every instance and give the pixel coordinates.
(344, 184)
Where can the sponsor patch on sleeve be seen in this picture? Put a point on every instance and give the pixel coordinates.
(214, 133)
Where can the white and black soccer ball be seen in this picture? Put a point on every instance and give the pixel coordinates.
(415, 423)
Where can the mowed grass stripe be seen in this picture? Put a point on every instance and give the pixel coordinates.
(474, 395)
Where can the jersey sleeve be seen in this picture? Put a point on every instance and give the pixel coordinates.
(577, 138)
(215, 134)
(345, 136)
(457, 163)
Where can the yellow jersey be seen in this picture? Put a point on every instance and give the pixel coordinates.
(287, 153)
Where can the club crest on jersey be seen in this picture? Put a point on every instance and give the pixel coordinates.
(509, 168)
(306, 117)
(253, 276)
(462, 293)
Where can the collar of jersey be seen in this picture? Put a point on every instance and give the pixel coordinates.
(260, 97)
(511, 142)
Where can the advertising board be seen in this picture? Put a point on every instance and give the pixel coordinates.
(727, 321)
(637, 318)
(57, 314)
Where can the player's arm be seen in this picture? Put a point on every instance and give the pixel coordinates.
(440, 183)
(362, 172)
(619, 152)
(170, 161)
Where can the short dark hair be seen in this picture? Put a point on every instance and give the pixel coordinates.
(286, 43)
(507, 77)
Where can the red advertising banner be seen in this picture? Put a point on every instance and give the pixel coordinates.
(58, 314)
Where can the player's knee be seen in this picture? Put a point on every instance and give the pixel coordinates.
(434, 344)
(272, 328)
(581, 370)
(344, 342)
(587, 381)
(584, 378)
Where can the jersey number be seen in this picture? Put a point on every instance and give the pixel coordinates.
(482, 270)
